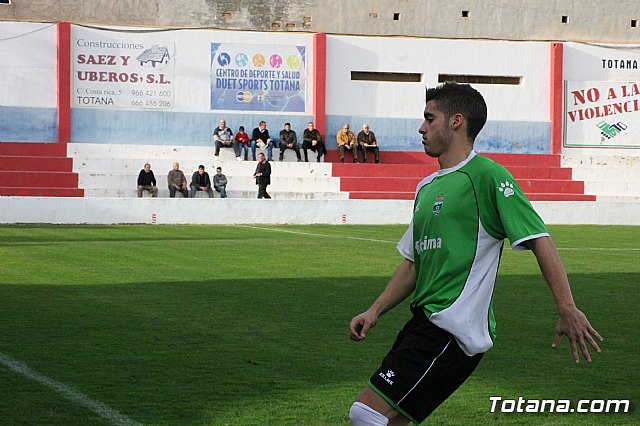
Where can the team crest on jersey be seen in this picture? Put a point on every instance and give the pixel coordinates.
(437, 206)
(506, 188)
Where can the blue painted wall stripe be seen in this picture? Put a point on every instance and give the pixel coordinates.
(194, 129)
(167, 128)
(399, 134)
(20, 124)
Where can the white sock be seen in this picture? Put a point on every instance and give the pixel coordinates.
(363, 415)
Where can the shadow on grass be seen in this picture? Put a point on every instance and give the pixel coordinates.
(183, 352)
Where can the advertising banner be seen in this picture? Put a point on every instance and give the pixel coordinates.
(256, 77)
(602, 114)
(110, 73)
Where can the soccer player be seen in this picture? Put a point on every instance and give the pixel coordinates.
(462, 213)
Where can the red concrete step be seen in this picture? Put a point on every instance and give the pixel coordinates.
(554, 173)
(37, 179)
(22, 163)
(390, 184)
(387, 157)
(381, 184)
(528, 160)
(394, 157)
(33, 149)
(560, 197)
(41, 192)
(378, 195)
(423, 170)
(551, 186)
(380, 170)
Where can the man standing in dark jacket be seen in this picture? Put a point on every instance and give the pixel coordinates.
(263, 176)
(147, 181)
(200, 182)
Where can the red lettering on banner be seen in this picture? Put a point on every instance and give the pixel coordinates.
(572, 115)
(591, 95)
(108, 77)
(97, 60)
(634, 90)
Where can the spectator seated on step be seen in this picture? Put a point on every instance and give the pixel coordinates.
(260, 138)
(147, 181)
(312, 140)
(367, 142)
(223, 138)
(347, 142)
(177, 182)
(200, 181)
(220, 182)
(242, 139)
(288, 140)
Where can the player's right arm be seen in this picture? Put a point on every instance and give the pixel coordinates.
(400, 286)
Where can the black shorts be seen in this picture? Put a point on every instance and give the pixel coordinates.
(423, 368)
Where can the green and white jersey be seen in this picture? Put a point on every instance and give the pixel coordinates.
(461, 217)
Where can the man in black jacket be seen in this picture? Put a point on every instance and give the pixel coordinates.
(200, 181)
(260, 138)
(312, 140)
(289, 140)
(147, 181)
(263, 176)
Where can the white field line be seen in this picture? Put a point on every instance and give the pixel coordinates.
(113, 416)
(347, 237)
(342, 237)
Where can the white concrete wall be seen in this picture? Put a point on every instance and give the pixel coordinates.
(430, 57)
(201, 211)
(28, 64)
(588, 20)
(234, 211)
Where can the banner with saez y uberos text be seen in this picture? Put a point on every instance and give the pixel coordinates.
(113, 73)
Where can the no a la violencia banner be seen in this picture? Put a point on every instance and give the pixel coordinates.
(258, 77)
(602, 113)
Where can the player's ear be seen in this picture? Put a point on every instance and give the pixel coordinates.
(456, 121)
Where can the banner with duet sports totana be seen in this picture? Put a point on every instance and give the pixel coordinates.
(258, 77)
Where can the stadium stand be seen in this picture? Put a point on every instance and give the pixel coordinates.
(107, 170)
(541, 176)
(37, 169)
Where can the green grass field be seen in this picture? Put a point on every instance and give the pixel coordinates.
(236, 325)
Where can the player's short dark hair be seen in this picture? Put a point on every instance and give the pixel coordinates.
(456, 98)
(262, 122)
(241, 129)
(287, 124)
(218, 168)
(201, 166)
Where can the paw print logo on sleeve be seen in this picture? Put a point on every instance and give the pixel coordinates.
(506, 188)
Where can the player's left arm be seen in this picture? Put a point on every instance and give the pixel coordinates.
(572, 322)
